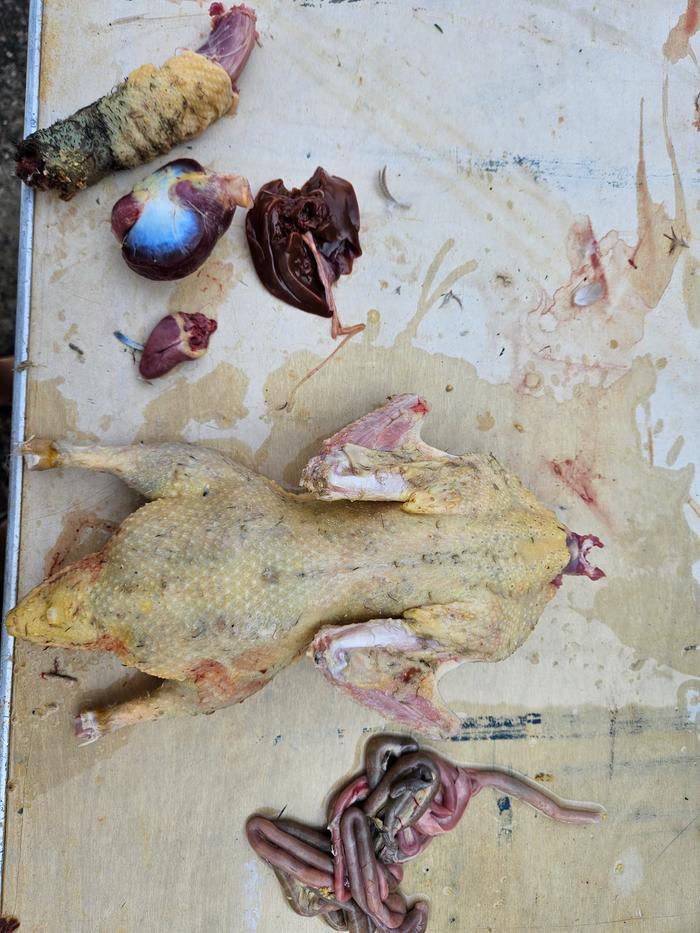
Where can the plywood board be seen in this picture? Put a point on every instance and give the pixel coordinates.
(525, 137)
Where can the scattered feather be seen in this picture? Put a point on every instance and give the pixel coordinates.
(677, 242)
(127, 341)
(450, 296)
(384, 188)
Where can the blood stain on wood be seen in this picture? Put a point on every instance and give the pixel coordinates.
(588, 327)
(677, 45)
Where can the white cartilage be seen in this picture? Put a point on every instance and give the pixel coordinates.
(387, 634)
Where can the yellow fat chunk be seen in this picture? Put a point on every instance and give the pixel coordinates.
(158, 108)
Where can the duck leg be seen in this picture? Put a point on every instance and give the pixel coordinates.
(154, 470)
(209, 686)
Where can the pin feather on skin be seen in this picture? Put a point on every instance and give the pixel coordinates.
(397, 560)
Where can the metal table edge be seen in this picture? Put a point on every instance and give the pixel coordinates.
(24, 284)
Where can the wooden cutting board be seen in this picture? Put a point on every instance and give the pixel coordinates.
(542, 291)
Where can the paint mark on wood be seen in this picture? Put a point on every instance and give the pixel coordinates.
(495, 728)
(692, 702)
(251, 911)
(505, 828)
(593, 723)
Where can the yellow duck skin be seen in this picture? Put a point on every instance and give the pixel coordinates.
(224, 578)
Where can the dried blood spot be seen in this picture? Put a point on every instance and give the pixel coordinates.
(213, 681)
(209, 670)
(409, 674)
(109, 643)
(576, 477)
